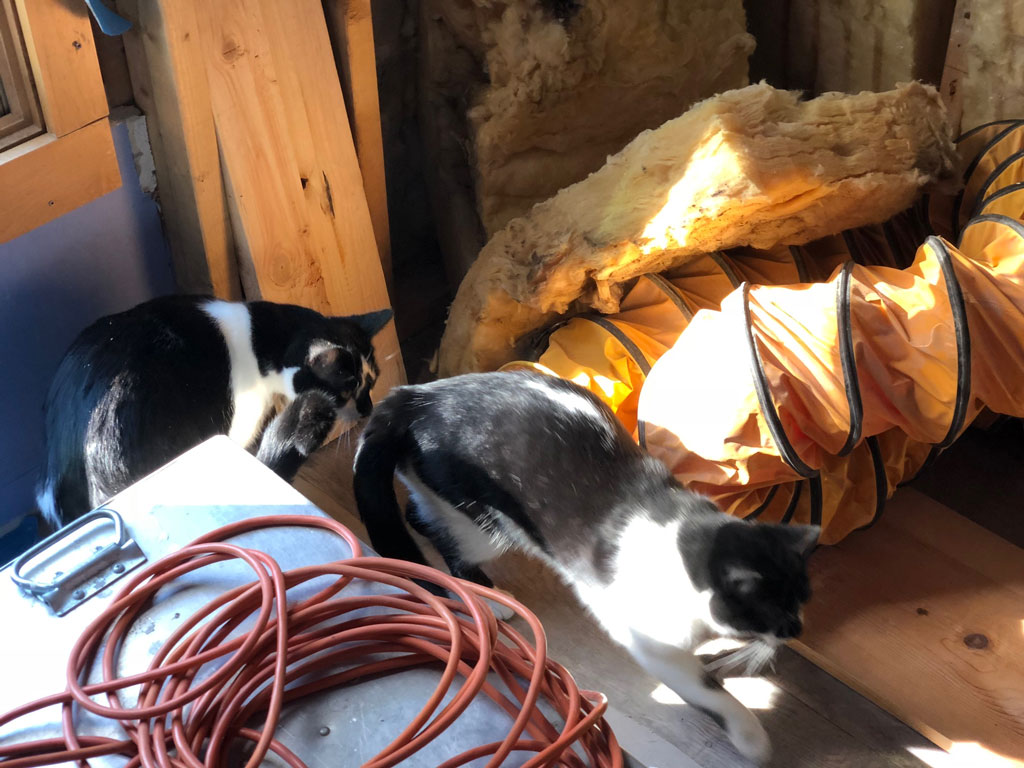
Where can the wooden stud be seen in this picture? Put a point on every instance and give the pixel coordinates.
(350, 24)
(459, 229)
(114, 67)
(58, 36)
(28, 196)
(923, 615)
(295, 185)
(170, 86)
(955, 69)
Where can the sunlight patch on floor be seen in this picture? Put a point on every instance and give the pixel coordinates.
(963, 754)
(718, 645)
(752, 692)
(665, 695)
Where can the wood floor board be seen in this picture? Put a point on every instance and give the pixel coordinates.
(925, 616)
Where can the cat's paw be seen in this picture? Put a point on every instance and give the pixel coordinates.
(750, 739)
(501, 611)
(314, 421)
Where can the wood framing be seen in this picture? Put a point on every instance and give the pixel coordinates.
(74, 162)
(922, 614)
(50, 177)
(63, 54)
(350, 23)
(955, 67)
(169, 81)
(294, 185)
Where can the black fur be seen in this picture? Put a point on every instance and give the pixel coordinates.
(139, 388)
(297, 431)
(543, 464)
(563, 10)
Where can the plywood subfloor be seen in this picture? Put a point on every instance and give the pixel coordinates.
(981, 476)
(813, 719)
(925, 615)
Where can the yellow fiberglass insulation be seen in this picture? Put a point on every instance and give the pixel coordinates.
(993, 87)
(829, 372)
(564, 93)
(754, 166)
(864, 45)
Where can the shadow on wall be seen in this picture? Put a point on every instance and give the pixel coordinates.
(101, 258)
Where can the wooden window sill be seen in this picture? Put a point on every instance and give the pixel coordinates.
(48, 176)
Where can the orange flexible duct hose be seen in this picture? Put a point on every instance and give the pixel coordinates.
(288, 642)
(880, 361)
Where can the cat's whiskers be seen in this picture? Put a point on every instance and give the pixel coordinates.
(752, 657)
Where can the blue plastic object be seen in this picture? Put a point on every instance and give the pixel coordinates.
(109, 22)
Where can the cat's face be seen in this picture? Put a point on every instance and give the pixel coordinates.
(759, 578)
(340, 360)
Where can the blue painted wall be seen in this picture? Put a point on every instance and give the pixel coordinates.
(101, 258)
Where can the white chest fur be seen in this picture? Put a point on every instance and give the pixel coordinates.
(651, 594)
(252, 393)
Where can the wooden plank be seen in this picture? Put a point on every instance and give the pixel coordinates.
(955, 68)
(922, 614)
(288, 151)
(84, 162)
(117, 82)
(350, 24)
(170, 86)
(841, 705)
(58, 36)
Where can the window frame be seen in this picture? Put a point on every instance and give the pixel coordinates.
(73, 161)
(25, 118)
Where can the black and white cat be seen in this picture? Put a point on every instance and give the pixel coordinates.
(139, 388)
(520, 460)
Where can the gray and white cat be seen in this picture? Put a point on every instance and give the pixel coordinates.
(520, 460)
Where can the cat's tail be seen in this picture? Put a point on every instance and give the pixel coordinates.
(381, 448)
(62, 493)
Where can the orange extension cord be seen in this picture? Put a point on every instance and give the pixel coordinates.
(288, 643)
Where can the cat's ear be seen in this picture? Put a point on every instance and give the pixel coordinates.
(802, 538)
(371, 323)
(326, 361)
(741, 580)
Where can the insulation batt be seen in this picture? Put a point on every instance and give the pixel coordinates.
(994, 85)
(753, 166)
(562, 95)
(857, 45)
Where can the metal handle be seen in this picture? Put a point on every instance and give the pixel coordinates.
(37, 589)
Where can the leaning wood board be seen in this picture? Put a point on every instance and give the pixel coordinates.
(924, 614)
(169, 83)
(294, 188)
(350, 23)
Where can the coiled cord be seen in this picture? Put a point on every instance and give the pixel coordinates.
(288, 643)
